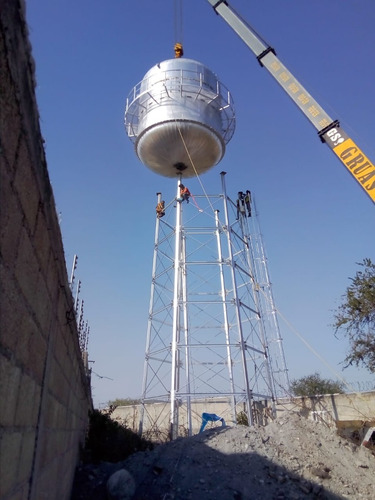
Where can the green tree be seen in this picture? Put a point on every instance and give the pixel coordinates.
(311, 385)
(356, 317)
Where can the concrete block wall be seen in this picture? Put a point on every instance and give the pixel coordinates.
(353, 411)
(156, 417)
(45, 392)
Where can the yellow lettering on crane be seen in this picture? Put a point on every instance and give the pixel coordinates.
(358, 165)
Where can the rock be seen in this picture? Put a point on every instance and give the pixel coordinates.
(322, 473)
(121, 486)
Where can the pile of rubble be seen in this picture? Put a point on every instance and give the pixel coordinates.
(292, 458)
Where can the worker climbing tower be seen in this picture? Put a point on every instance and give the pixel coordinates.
(213, 342)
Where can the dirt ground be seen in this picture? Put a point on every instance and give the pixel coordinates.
(292, 458)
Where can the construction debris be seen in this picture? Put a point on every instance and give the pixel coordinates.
(291, 458)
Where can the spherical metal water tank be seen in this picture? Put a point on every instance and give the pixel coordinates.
(180, 117)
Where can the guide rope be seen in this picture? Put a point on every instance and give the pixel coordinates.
(195, 170)
(178, 34)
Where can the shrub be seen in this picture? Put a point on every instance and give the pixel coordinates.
(109, 441)
(314, 384)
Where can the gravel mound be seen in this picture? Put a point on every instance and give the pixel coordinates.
(292, 458)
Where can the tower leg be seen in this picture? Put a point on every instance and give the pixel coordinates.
(176, 325)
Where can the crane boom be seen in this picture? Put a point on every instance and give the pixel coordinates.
(329, 130)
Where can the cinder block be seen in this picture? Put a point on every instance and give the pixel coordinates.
(10, 220)
(51, 445)
(26, 456)
(57, 382)
(59, 344)
(51, 416)
(27, 265)
(27, 273)
(28, 403)
(71, 456)
(10, 448)
(9, 317)
(60, 349)
(37, 352)
(68, 369)
(21, 493)
(42, 240)
(52, 278)
(64, 315)
(26, 186)
(42, 306)
(19, 332)
(10, 377)
(44, 487)
(10, 120)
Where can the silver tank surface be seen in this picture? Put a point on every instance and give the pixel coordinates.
(180, 117)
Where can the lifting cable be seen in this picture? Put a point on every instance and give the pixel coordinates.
(195, 170)
(178, 48)
(178, 32)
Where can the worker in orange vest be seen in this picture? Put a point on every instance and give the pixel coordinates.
(184, 193)
(160, 211)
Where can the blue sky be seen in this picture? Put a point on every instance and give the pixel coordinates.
(316, 221)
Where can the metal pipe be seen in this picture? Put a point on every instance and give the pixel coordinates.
(225, 314)
(176, 316)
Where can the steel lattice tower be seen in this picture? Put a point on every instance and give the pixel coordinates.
(212, 330)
